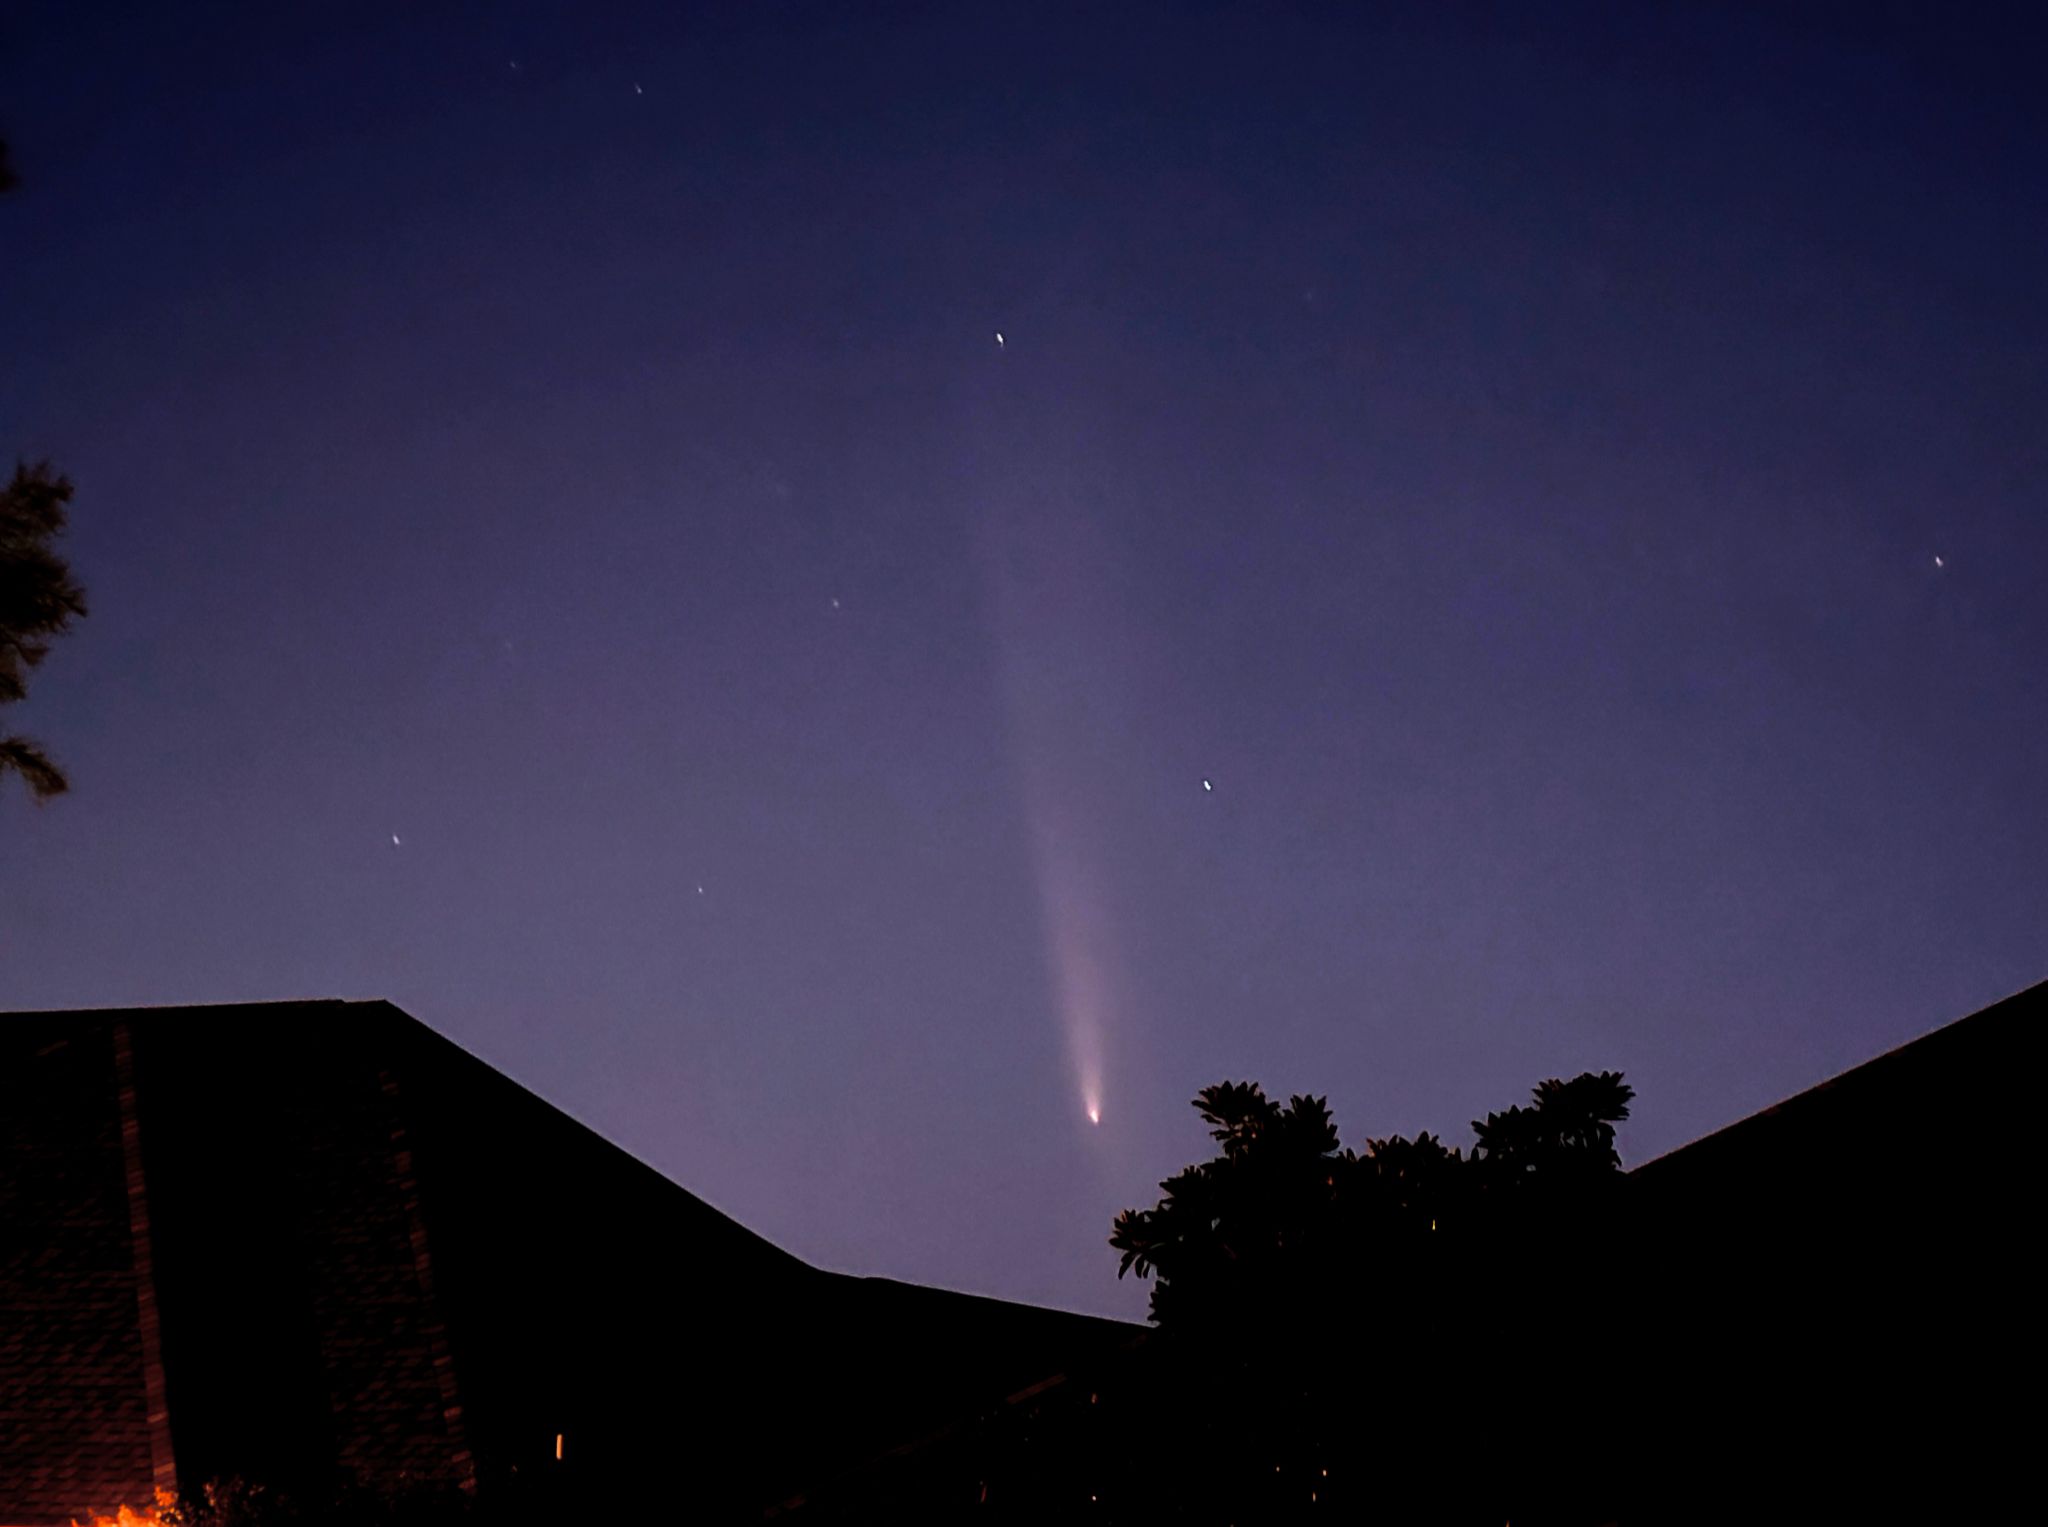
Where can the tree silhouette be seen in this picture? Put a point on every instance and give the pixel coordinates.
(38, 596)
(38, 600)
(1283, 1218)
(1408, 1329)
(1562, 1144)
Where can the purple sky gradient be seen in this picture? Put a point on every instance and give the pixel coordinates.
(1505, 455)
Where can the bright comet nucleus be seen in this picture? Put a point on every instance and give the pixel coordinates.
(1094, 1115)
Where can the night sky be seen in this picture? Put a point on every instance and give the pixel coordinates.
(1494, 542)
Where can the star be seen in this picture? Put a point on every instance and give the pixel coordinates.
(835, 604)
(999, 339)
(1207, 786)
(700, 890)
(1938, 562)
(394, 840)
(638, 91)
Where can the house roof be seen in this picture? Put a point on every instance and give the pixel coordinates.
(367, 1239)
(1963, 1087)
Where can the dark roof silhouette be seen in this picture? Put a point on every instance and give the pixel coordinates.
(1844, 1285)
(1950, 1081)
(1819, 1312)
(304, 1241)
(295, 1240)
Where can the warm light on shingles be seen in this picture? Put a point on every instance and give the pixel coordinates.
(126, 1516)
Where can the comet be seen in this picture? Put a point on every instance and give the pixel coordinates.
(1040, 565)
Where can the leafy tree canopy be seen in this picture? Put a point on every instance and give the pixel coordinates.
(1284, 1221)
(38, 596)
(38, 601)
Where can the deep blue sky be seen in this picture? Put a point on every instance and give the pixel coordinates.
(1504, 452)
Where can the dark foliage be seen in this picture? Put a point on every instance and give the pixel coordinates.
(1283, 1218)
(38, 601)
(38, 596)
(1408, 1329)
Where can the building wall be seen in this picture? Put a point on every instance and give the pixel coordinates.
(74, 1424)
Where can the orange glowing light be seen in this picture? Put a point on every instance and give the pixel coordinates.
(128, 1516)
(558, 1447)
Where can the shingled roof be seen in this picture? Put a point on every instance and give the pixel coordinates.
(299, 1241)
